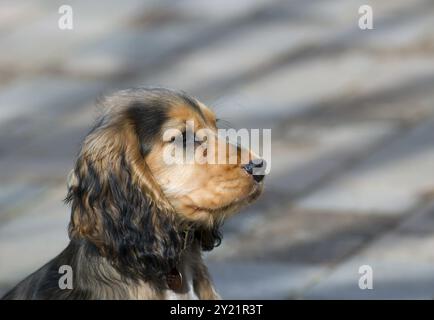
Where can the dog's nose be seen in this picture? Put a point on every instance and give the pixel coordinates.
(256, 168)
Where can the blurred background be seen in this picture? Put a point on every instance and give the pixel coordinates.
(351, 113)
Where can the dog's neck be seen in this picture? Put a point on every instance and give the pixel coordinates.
(206, 237)
(194, 239)
(92, 271)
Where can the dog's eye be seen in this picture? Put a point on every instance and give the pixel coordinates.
(186, 137)
(177, 139)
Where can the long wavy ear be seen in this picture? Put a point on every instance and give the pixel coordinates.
(118, 207)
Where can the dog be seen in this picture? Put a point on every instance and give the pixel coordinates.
(138, 225)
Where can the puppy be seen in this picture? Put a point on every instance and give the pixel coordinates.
(138, 223)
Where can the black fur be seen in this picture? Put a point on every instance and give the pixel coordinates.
(129, 219)
(147, 122)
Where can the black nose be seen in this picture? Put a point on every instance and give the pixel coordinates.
(256, 168)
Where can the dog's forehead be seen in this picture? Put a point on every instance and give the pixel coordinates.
(198, 113)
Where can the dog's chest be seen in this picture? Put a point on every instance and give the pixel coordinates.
(144, 291)
(187, 292)
(189, 295)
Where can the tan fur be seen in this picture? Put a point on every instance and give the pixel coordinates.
(202, 192)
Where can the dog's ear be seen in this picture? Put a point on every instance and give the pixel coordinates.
(209, 238)
(71, 180)
(119, 208)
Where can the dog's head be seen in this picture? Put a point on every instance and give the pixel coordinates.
(132, 203)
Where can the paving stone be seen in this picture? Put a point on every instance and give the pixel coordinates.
(289, 90)
(238, 53)
(13, 194)
(401, 262)
(46, 158)
(260, 280)
(346, 11)
(14, 13)
(41, 168)
(402, 29)
(128, 50)
(391, 180)
(312, 151)
(36, 44)
(303, 237)
(32, 239)
(38, 155)
(53, 94)
(50, 205)
(218, 9)
(392, 280)
(304, 87)
(390, 104)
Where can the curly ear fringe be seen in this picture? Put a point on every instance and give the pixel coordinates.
(114, 214)
(209, 238)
